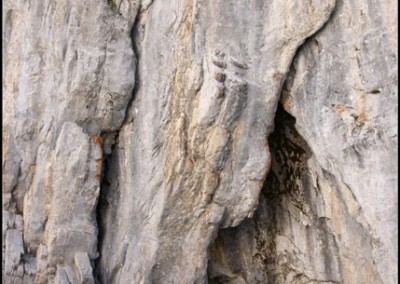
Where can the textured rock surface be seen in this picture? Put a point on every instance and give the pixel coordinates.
(69, 74)
(328, 212)
(137, 139)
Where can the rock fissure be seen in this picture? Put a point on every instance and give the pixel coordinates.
(138, 136)
(110, 142)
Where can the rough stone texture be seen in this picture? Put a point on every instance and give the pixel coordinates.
(359, 107)
(69, 71)
(213, 95)
(14, 250)
(85, 269)
(304, 231)
(328, 212)
(137, 139)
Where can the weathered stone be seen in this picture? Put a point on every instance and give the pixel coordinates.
(19, 223)
(71, 274)
(75, 192)
(6, 218)
(20, 271)
(41, 268)
(14, 250)
(135, 139)
(30, 266)
(346, 117)
(61, 276)
(6, 200)
(202, 150)
(82, 264)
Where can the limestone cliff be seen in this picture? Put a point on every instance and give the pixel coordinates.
(190, 141)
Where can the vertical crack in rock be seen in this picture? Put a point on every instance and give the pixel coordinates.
(111, 140)
(101, 208)
(196, 156)
(109, 195)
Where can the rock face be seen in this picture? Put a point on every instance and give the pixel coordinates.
(200, 141)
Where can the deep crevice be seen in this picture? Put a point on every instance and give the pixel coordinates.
(288, 178)
(289, 154)
(103, 199)
(280, 181)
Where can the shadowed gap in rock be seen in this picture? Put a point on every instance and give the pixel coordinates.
(247, 253)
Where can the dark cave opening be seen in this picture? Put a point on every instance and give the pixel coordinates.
(253, 241)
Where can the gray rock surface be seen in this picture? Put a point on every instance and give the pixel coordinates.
(139, 142)
(69, 73)
(328, 212)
